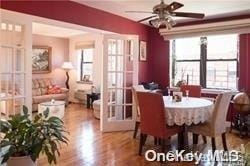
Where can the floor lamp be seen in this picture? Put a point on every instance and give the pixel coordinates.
(67, 66)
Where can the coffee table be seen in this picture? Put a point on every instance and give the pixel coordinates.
(56, 108)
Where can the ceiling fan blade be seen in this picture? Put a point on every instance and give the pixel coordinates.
(173, 6)
(187, 14)
(138, 12)
(147, 18)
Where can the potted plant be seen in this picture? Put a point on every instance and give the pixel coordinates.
(24, 139)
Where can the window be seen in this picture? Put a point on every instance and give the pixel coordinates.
(86, 65)
(207, 61)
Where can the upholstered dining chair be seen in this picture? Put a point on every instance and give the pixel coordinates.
(194, 90)
(135, 89)
(216, 125)
(152, 114)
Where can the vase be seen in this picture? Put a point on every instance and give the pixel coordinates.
(21, 161)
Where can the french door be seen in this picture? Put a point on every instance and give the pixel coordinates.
(15, 66)
(120, 72)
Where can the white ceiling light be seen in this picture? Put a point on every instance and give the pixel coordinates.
(167, 22)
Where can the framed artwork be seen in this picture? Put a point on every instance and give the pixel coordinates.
(86, 78)
(143, 51)
(41, 59)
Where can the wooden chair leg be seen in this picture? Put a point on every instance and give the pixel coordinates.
(141, 143)
(144, 138)
(224, 141)
(159, 141)
(168, 141)
(195, 139)
(136, 129)
(163, 141)
(180, 141)
(204, 139)
(155, 140)
(213, 144)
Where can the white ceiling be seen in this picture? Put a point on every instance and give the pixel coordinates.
(208, 7)
(55, 31)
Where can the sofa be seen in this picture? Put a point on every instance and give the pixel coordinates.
(44, 90)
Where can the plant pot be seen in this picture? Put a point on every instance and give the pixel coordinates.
(21, 161)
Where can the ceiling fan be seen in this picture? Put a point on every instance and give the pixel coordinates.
(163, 14)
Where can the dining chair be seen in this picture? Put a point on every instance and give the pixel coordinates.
(152, 114)
(194, 90)
(216, 125)
(135, 89)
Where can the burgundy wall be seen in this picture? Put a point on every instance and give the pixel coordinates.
(159, 51)
(157, 67)
(244, 65)
(73, 12)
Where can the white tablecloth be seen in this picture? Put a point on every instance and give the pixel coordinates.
(188, 111)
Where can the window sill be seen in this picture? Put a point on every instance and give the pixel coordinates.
(216, 91)
(207, 91)
(84, 82)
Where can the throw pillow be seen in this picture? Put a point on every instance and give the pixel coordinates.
(54, 89)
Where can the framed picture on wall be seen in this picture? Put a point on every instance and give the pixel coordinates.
(143, 51)
(41, 59)
(86, 78)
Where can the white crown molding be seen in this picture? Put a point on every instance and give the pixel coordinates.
(235, 26)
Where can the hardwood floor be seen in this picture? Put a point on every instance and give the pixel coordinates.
(88, 146)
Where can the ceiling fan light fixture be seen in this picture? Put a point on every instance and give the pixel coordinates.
(164, 13)
(166, 22)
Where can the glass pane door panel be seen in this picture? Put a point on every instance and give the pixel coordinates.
(119, 96)
(3, 106)
(120, 47)
(17, 35)
(129, 80)
(6, 85)
(119, 63)
(119, 80)
(112, 47)
(111, 63)
(18, 104)
(111, 112)
(6, 59)
(19, 60)
(111, 79)
(111, 96)
(128, 96)
(129, 63)
(128, 112)
(129, 47)
(19, 85)
(116, 113)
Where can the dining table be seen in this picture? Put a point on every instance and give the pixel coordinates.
(189, 111)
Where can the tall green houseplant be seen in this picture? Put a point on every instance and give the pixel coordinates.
(26, 137)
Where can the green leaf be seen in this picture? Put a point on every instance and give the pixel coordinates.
(25, 110)
(4, 143)
(36, 151)
(5, 158)
(46, 113)
(55, 120)
(4, 126)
